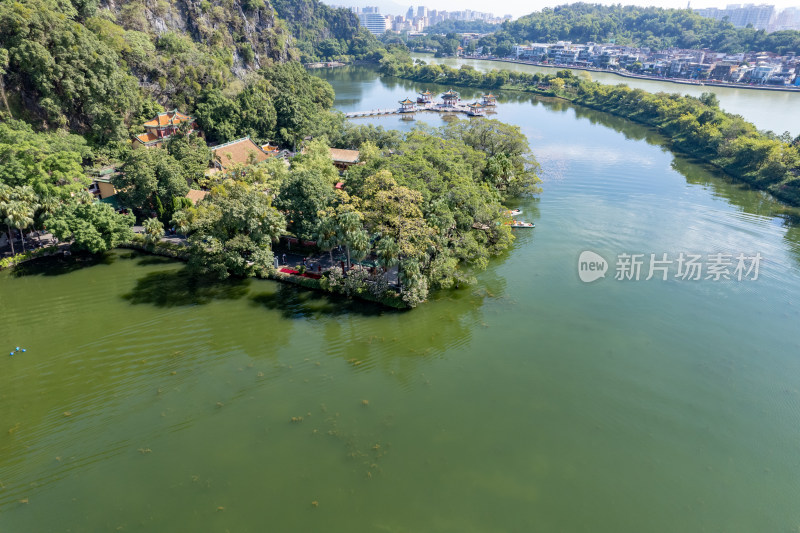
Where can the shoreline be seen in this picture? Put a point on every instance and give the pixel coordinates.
(779, 195)
(172, 251)
(679, 81)
(179, 253)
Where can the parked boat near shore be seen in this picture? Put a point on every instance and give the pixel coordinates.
(520, 224)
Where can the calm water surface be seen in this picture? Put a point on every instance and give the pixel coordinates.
(778, 111)
(530, 402)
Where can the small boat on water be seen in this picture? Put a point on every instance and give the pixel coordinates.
(514, 212)
(520, 224)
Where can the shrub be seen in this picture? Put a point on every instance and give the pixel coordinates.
(13, 261)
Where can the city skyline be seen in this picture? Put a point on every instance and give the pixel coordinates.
(415, 19)
(517, 8)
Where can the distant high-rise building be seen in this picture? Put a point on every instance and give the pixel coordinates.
(760, 16)
(422, 11)
(375, 23)
(788, 19)
(410, 13)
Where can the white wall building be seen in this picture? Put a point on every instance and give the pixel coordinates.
(375, 23)
(760, 16)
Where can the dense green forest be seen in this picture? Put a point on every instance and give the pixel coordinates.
(642, 26)
(102, 70)
(322, 32)
(461, 26)
(694, 126)
(443, 45)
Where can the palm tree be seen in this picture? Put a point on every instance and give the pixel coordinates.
(5, 206)
(153, 230)
(47, 207)
(28, 200)
(348, 226)
(17, 215)
(388, 253)
(327, 235)
(83, 197)
(180, 220)
(5, 200)
(360, 245)
(409, 274)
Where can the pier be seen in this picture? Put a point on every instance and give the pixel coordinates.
(373, 113)
(438, 108)
(451, 103)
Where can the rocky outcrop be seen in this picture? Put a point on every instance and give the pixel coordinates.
(248, 30)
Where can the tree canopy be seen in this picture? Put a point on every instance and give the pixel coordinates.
(284, 103)
(150, 179)
(74, 78)
(232, 230)
(92, 226)
(326, 33)
(50, 163)
(652, 27)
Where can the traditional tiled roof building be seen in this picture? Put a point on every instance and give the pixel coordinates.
(195, 195)
(162, 128)
(476, 109)
(271, 149)
(239, 152)
(407, 106)
(344, 158)
(450, 98)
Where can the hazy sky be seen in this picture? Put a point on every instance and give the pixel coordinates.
(518, 8)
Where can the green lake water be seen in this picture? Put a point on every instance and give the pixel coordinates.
(529, 402)
(769, 110)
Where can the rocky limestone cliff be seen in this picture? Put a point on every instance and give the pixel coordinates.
(248, 30)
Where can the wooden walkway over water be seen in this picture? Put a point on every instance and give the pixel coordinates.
(373, 113)
(460, 108)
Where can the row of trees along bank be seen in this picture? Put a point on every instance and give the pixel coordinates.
(694, 126)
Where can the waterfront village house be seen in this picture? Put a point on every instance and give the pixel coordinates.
(724, 70)
(342, 159)
(162, 128)
(239, 152)
(407, 106)
(450, 98)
